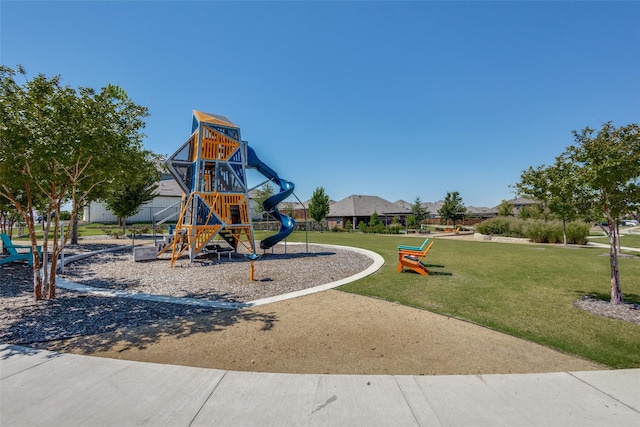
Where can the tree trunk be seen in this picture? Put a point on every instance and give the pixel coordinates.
(564, 231)
(37, 282)
(616, 289)
(51, 293)
(74, 224)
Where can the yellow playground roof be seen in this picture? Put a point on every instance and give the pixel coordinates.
(213, 119)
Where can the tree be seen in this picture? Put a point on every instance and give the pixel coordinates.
(375, 223)
(60, 144)
(135, 188)
(319, 205)
(419, 212)
(531, 212)
(412, 223)
(452, 208)
(262, 194)
(609, 164)
(505, 208)
(557, 187)
(9, 216)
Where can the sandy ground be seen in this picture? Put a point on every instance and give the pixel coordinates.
(330, 332)
(334, 332)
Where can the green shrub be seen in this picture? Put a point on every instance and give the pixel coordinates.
(577, 232)
(551, 232)
(141, 229)
(555, 232)
(503, 226)
(537, 231)
(412, 222)
(113, 232)
(540, 231)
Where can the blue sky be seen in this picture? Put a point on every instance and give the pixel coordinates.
(394, 99)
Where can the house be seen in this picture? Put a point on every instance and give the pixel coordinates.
(168, 196)
(472, 215)
(358, 208)
(478, 214)
(519, 203)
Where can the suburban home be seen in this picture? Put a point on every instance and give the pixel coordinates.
(431, 207)
(520, 203)
(473, 215)
(478, 214)
(357, 208)
(168, 195)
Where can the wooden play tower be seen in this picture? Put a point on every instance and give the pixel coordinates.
(210, 168)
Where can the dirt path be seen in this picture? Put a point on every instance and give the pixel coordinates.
(334, 332)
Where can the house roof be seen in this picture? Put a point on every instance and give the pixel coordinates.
(404, 204)
(522, 201)
(169, 188)
(480, 210)
(358, 205)
(433, 207)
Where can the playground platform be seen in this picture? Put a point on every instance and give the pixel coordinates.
(43, 388)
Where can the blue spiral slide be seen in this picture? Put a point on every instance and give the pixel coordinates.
(287, 224)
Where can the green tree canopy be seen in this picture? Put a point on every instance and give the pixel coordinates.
(609, 166)
(557, 187)
(599, 172)
(263, 193)
(61, 144)
(452, 209)
(127, 195)
(505, 208)
(420, 213)
(319, 205)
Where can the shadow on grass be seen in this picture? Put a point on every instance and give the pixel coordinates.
(440, 273)
(432, 265)
(431, 272)
(629, 298)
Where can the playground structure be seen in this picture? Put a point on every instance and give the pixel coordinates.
(210, 167)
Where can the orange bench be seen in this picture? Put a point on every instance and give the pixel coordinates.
(412, 260)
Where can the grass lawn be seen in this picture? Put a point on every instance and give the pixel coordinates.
(87, 230)
(523, 290)
(629, 240)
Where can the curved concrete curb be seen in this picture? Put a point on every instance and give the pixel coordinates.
(378, 262)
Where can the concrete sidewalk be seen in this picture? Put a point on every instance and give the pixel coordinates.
(53, 389)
